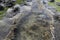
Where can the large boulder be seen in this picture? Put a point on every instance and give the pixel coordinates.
(34, 26)
(34, 22)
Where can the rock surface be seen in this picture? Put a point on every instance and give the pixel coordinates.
(31, 22)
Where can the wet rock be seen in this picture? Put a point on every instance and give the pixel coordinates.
(13, 0)
(0, 1)
(16, 8)
(5, 29)
(58, 3)
(52, 0)
(53, 9)
(2, 6)
(25, 8)
(57, 16)
(35, 7)
(13, 11)
(8, 0)
(10, 4)
(29, 0)
(45, 1)
(9, 13)
(29, 3)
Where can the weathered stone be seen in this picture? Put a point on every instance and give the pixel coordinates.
(58, 3)
(34, 22)
(52, 0)
(53, 9)
(31, 28)
(1, 6)
(10, 4)
(35, 26)
(44, 1)
(13, 11)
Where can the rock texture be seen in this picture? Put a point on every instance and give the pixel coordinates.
(35, 23)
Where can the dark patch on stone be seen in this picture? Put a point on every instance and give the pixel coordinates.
(10, 4)
(16, 9)
(52, 0)
(0, 1)
(14, 23)
(15, 30)
(58, 3)
(34, 27)
(28, 0)
(1, 8)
